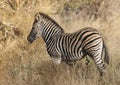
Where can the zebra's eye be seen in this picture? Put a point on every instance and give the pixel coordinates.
(33, 28)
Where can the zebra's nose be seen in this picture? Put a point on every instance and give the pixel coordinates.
(30, 39)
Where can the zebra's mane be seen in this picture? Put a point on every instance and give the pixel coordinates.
(53, 21)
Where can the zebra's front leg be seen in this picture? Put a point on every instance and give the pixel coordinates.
(56, 59)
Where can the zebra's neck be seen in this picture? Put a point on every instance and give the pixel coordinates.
(50, 29)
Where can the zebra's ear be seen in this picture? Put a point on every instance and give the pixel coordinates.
(37, 16)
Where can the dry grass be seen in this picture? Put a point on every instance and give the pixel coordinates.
(22, 63)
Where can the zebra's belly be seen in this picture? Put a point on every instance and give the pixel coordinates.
(70, 58)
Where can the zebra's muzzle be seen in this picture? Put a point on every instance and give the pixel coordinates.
(30, 39)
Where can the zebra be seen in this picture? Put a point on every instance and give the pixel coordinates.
(69, 47)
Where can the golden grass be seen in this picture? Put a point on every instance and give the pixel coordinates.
(22, 63)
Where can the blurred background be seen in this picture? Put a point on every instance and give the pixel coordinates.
(22, 63)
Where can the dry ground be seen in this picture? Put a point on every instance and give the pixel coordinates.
(22, 63)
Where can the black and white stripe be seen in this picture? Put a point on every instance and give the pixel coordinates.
(69, 47)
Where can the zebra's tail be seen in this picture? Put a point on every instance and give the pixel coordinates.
(106, 55)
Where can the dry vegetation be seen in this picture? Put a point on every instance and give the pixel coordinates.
(22, 63)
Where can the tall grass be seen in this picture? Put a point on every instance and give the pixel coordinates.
(22, 63)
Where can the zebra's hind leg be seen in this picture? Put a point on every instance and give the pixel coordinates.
(97, 58)
(94, 50)
(99, 63)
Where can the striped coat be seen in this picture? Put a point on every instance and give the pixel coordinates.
(69, 47)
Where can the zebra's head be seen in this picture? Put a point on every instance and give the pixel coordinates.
(36, 30)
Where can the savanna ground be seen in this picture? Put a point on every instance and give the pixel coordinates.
(22, 63)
